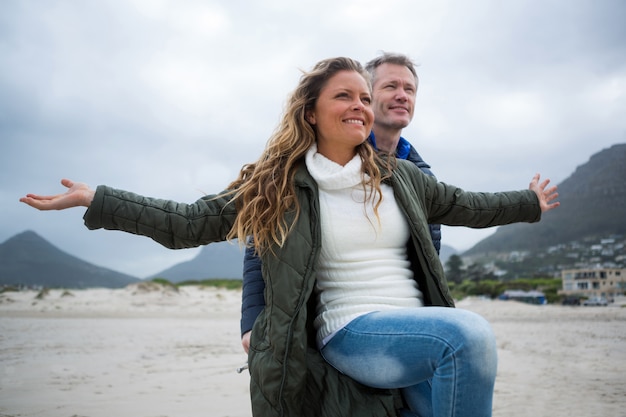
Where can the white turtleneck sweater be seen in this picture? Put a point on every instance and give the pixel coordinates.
(363, 266)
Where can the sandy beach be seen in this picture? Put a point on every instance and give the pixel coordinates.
(157, 352)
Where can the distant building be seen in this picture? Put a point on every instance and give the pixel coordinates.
(594, 282)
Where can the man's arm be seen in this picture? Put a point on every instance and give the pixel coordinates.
(252, 296)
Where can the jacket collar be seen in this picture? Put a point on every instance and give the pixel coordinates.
(402, 150)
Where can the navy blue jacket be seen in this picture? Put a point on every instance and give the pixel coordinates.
(252, 297)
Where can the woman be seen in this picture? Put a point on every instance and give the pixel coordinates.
(347, 261)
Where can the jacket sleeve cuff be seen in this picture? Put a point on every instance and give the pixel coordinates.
(93, 215)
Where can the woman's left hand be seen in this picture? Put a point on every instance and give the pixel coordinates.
(546, 196)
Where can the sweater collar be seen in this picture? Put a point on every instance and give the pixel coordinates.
(330, 175)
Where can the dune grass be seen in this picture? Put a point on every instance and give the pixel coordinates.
(229, 284)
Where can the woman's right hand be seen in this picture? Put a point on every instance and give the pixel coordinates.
(78, 194)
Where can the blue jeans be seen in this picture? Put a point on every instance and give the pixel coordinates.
(443, 359)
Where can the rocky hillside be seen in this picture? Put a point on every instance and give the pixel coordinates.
(593, 203)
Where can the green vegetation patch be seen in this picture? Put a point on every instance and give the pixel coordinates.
(229, 284)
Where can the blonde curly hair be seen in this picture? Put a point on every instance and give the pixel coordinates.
(264, 191)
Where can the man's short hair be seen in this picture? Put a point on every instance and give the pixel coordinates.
(390, 58)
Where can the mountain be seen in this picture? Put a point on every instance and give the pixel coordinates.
(445, 253)
(217, 260)
(593, 203)
(28, 259)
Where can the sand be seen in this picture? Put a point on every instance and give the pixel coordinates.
(153, 352)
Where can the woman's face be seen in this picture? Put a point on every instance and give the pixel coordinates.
(342, 116)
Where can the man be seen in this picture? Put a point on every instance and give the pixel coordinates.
(394, 88)
(394, 85)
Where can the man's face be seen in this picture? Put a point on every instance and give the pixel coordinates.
(394, 93)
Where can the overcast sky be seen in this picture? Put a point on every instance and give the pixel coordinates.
(170, 98)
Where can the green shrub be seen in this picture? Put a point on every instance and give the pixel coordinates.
(229, 284)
